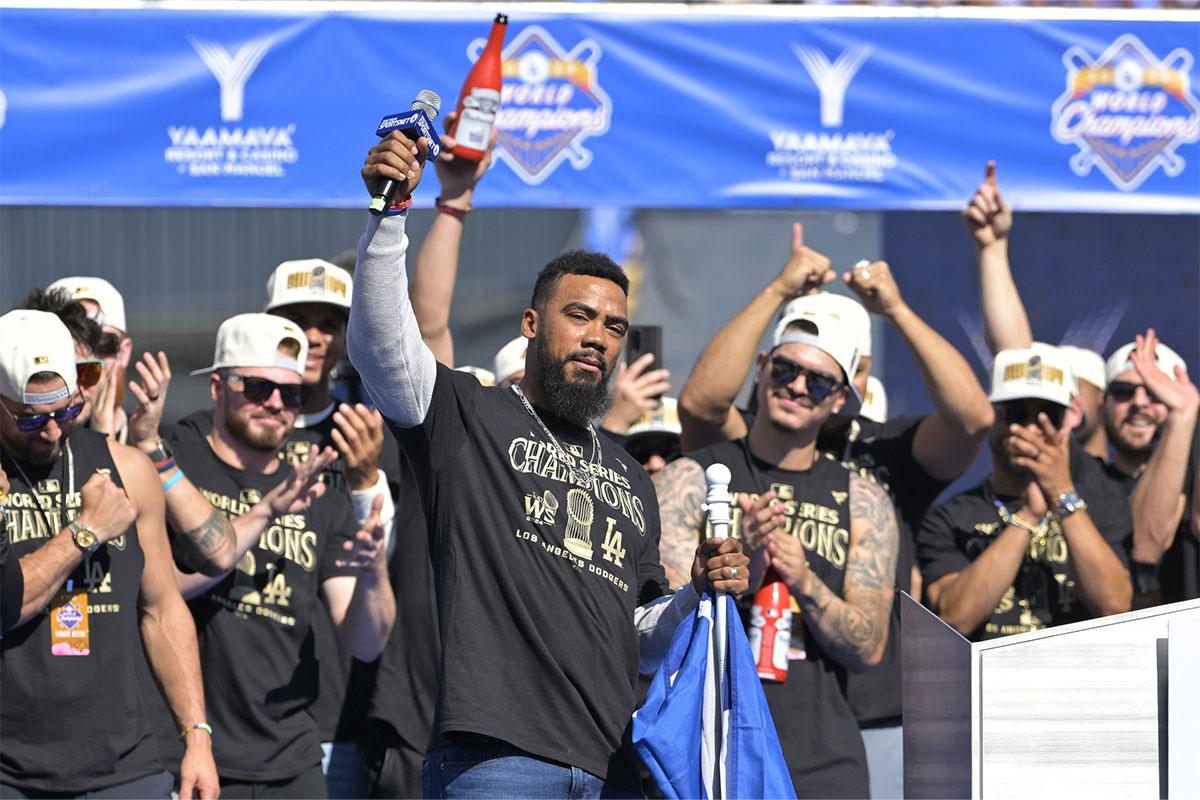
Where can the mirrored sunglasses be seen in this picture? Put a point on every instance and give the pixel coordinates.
(88, 372)
(784, 371)
(35, 422)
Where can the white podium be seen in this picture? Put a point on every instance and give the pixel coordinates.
(1082, 710)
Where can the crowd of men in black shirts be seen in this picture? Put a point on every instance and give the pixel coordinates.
(288, 595)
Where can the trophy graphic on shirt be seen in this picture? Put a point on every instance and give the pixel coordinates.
(243, 588)
(580, 512)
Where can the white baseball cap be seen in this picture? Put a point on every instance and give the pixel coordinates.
(1088, 365)
(253, 340)
(663, 419)
(875, 401)
(309, 280)
(840, 306)
(484, 376)
(33, 342)
(1166, 358)
(1041, 372)
(99, 291)
(510, 359)
(831, 335)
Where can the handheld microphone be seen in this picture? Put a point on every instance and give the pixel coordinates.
(717, 476)
(415, 123)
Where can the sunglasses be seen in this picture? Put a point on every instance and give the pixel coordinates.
(784, 371)
(645, 446)
(259, 390)
(35, 422)
(1123, 391)
(88, 372)
(1017, 413)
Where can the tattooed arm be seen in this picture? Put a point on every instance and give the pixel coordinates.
(681, 491)
(852, 628)
(203, 539)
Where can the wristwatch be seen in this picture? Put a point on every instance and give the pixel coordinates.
(1068, 503)
(161, 452)
(85, 537)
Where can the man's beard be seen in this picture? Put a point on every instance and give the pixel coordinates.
(1124, 446)
(262, 440)
(575, 401)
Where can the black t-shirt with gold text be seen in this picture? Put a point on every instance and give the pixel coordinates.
(1043, 594)
(537, 575)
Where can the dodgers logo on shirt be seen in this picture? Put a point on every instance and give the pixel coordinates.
(550, 102)
(1126, 111)
(201, 149)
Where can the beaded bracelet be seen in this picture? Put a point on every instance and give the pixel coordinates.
(451, 210)
(199, 726)
(176, 478)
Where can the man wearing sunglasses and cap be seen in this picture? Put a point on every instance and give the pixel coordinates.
(85, 515)
(826, 530)
(1020, 552)
(255, 620)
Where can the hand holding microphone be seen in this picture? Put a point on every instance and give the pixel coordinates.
(394, 165)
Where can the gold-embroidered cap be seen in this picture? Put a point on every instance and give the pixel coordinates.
(309, 280)
(1041, 372)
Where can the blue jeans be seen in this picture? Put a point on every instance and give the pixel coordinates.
(482, 767)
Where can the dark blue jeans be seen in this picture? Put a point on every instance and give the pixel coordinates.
(482, 767)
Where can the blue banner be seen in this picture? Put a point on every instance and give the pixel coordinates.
(603, 107)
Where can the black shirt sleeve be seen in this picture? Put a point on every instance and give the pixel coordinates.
(938, 553)
(12, 584)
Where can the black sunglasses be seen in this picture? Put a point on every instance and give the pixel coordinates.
(1017, 412)
(647, 445)
(784, 371)
(259, 390)
(1123, 391)
(35, 422)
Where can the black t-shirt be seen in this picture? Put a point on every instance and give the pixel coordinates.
(74, 723)
(12, 583)
(815, 724)
(1042, 595)
(537, 576)
(255, 626)
(883, 453)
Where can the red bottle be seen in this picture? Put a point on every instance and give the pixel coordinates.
(480, 97)
(770, 631)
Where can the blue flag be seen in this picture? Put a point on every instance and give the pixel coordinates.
(686, 755)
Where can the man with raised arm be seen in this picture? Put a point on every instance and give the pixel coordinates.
(544, 539)
(913, 458)
(827, 530)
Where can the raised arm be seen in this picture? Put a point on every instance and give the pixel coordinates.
(947, 440)
(1158, 501)
(989, 219)
(204, 540)
(383, 338)
(852, 628)
(363, 606)
(706, 411)
(432, 283)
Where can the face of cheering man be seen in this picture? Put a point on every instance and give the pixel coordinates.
(1005, 446)
(799, 385)
(257, 406)
(324, 326)
(1131, 414)
(35, 433)
(577, 339)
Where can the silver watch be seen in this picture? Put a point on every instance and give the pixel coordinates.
(1068, 503)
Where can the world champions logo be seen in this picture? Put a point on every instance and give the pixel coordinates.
(550, 102)
(1126, 111)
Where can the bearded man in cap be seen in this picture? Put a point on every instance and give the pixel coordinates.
(826, 530)
(85, 516)
(1020, 552)
(293, 557)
